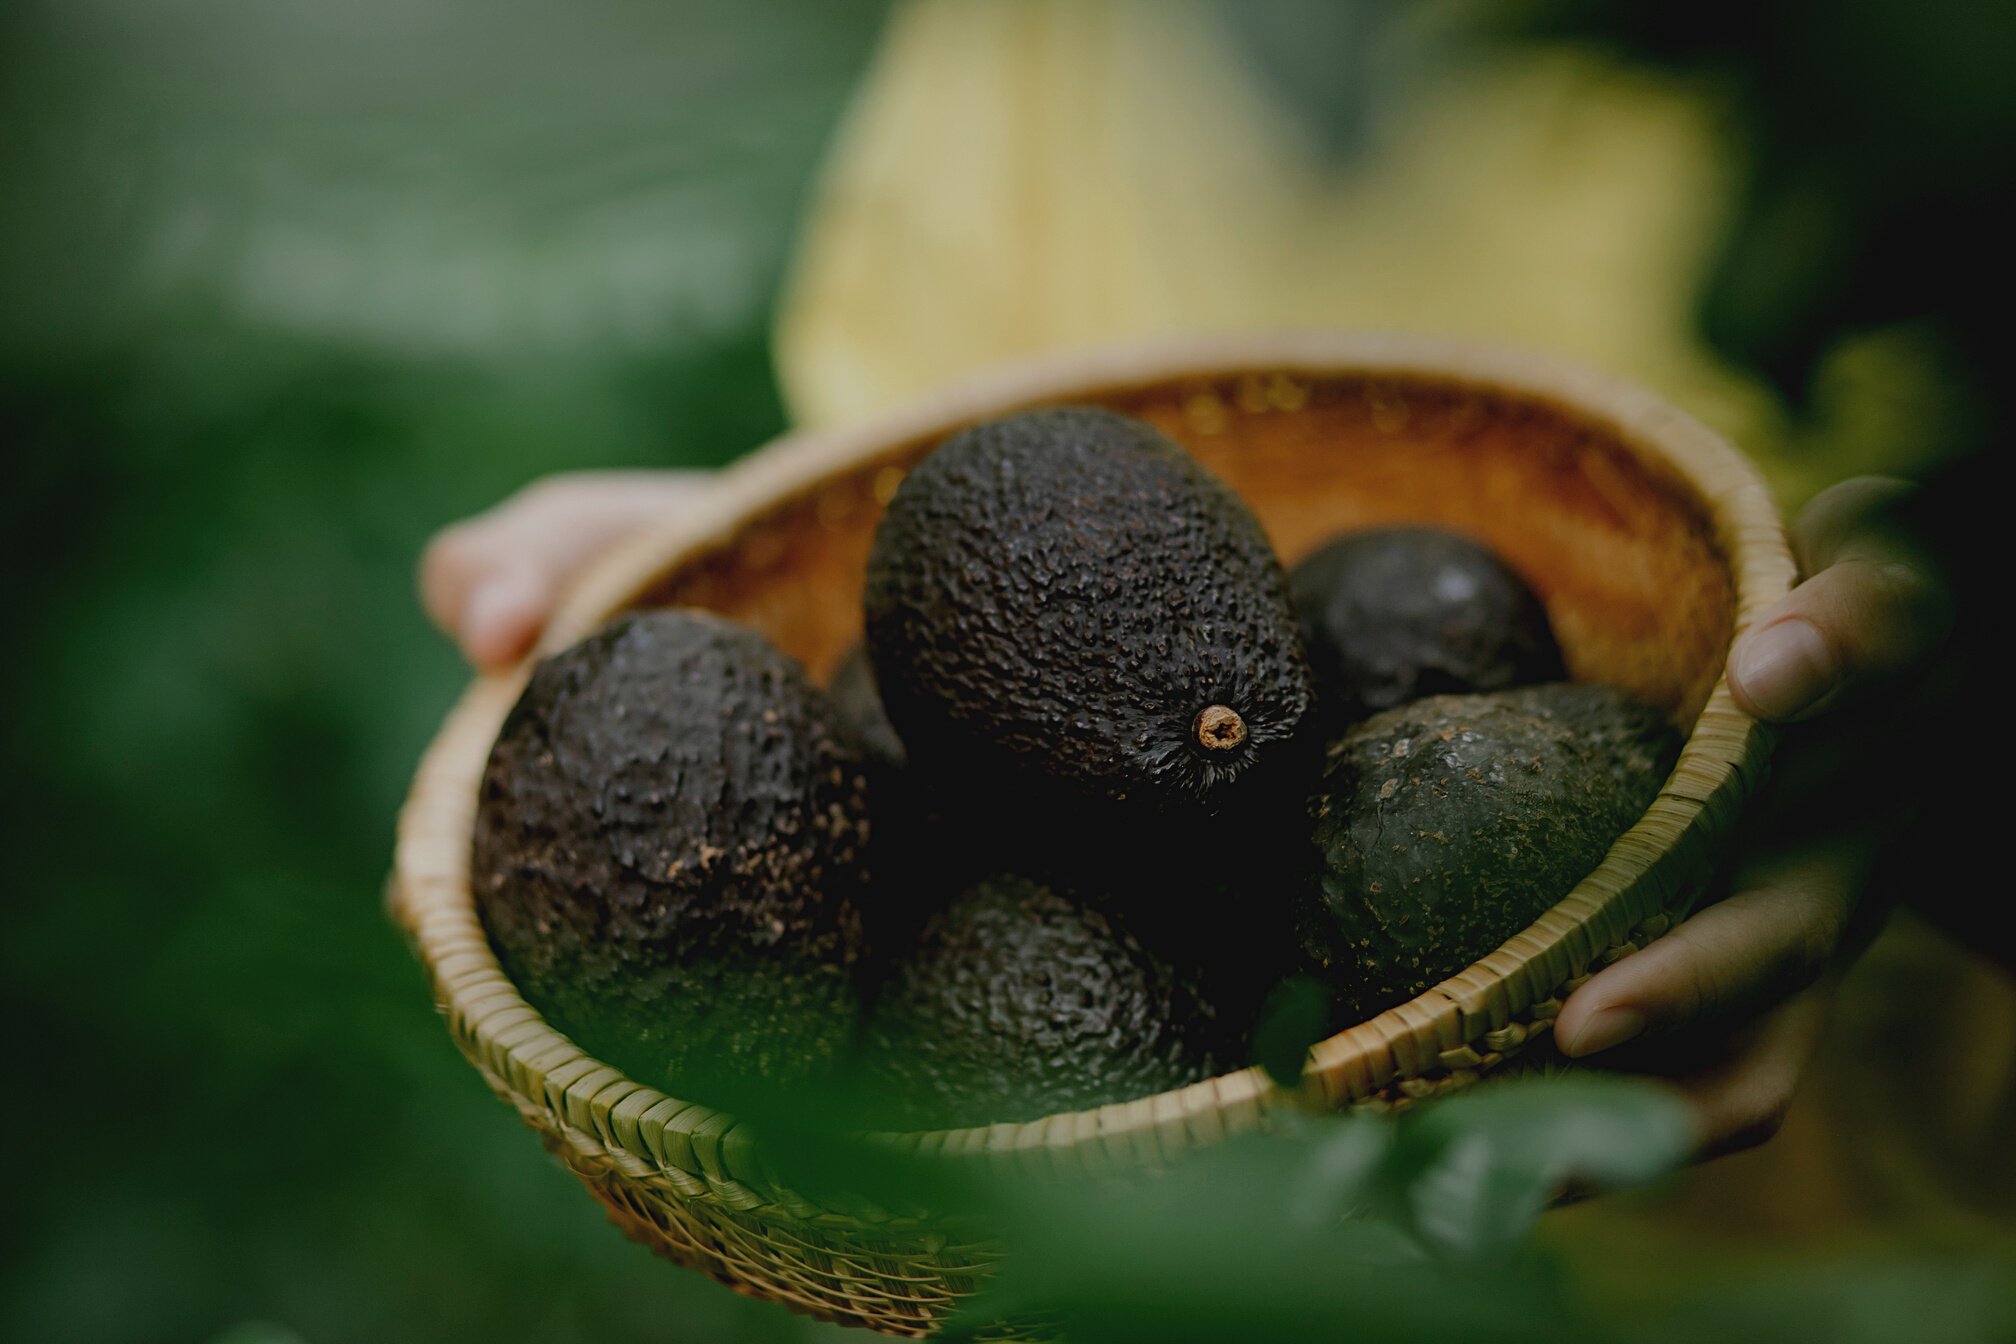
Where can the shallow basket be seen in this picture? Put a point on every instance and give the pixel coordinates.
(1650, 540)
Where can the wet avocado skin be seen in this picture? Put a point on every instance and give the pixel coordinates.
(1054, 597)
(1020, 1000)
(670, 839)
(1446, 826)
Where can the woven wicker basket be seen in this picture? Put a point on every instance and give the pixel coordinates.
(1651, 541)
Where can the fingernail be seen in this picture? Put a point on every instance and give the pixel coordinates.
(1784, 669)
(1609, 1028)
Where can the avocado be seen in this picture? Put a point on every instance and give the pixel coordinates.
(1063, 606)
(1020, 999)
(859, 706)
(669, 846)
(1446, 826)
(1395, 614)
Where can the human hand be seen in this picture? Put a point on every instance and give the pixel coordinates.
(1729, 1006)
(491, 581)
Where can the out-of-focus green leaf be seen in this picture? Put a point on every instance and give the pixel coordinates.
(1479, 1169)
(1338, 1228)
(1296, 1016)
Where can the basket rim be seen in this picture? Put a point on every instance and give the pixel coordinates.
(701, 1153)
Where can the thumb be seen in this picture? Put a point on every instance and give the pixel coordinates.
(1871, 610)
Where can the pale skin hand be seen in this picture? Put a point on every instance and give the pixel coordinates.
(1728, 1006)
(491, 581)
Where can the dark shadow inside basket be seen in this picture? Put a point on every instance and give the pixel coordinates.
(1619, 545)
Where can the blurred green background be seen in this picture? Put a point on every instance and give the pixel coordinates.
(285, 286)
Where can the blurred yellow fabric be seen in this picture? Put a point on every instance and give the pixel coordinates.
(1022, 176)
(1034, 175)
(1025, 176)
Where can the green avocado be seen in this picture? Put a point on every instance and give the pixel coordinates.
(1395, 614)
(1063, 606)
(669, 845)
(1019, 999)
(1446, 826)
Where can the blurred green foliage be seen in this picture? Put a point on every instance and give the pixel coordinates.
(1335, 1228)
(1340, 1229)
(1879, 194)
(286, 287)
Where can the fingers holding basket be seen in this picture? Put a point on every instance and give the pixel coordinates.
(1871, 610)
(1740, 1098)
(1728, 1006)
(490, 581)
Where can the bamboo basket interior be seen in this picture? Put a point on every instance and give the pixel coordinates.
(1649, 539)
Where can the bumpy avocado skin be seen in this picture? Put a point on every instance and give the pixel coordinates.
(1446, 826)
(1019, 1000)
(670, 839)
(1053, 599)
(1396, 614)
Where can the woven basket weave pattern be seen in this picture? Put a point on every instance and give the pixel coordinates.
(1651, 541)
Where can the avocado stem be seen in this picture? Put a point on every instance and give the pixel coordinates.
(1219, 728)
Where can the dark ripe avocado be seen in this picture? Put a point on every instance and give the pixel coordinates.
(1446, 826)
(1019, 1000)
(1066, 602)
(1400, 613)
(669, 841)
(858, 704)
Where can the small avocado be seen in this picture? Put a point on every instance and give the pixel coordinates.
(1395, 614)
(669, 845)
(1446, 826)
(1065, 606)
(1019, 1000)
